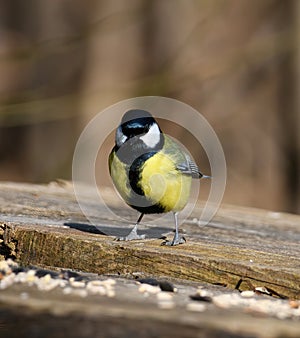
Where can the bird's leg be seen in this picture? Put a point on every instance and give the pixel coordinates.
(133, 233)
(177, 239)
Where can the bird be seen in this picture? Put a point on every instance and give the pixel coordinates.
(150, 170)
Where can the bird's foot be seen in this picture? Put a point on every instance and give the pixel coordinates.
(176, 241)
(132, 236)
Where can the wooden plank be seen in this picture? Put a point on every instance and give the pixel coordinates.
(40, 315)
(42, 225)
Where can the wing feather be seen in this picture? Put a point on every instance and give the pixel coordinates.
(189, 167)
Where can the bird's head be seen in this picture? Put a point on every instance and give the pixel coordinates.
(139, 128)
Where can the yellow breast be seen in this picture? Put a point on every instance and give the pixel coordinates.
(163, 184)
(119, 176)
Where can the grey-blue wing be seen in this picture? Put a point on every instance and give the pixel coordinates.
(189, 168)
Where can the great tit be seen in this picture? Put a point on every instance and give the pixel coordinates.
(151, 171)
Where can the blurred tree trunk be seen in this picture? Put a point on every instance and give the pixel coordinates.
(46, 50)
(297, 105)
(289, 106)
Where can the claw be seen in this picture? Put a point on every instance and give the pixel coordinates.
(175, 241)
(131, 237)
(133, 233)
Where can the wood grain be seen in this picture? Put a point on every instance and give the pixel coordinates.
(43, 225)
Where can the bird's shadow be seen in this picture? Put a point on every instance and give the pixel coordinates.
(84, 227)
(150, 232)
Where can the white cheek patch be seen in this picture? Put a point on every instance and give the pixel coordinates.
(152, 138)
(120, 137)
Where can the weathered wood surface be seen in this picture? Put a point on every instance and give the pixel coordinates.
(42, 225)
(58, 315)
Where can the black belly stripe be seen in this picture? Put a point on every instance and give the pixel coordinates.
(137, 197)
(135, 171)
(151, 209)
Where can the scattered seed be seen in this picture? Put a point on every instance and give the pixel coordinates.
(227, 300)
(76, 284)
(109, 282)
(81, 285)
(150, 289)
(96, 289)
(43, 272)
(164, 296)
(111, 293)
(47, 283)
(150, 281)
(7, 281)
(200, 298)
(7, 265)
(67, 274)
(197, 307)
(247, 294)
(18, 269)
(164, 285)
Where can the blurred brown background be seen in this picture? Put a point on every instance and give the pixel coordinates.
(235, 61)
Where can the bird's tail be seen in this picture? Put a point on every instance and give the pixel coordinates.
(206, 176)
